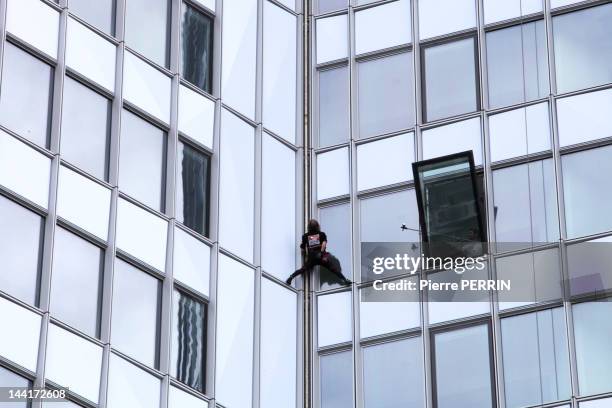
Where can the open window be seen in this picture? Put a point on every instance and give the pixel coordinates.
(450, 215)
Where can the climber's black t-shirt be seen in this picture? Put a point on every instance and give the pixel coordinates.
(313, 242)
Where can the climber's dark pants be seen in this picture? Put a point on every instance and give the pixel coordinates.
(322, 259)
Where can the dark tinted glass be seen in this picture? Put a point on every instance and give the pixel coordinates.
(193, 179)
(20, 242)
(25, 95)
(75, 281)
(189, 341)
(197, 47)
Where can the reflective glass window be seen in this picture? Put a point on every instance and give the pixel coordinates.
(196, 116)
(593, 331)
(142, 160)
(85, 128)
(20, 250)
(99, 13)
(90, 54)
(462, 363)
(180, 399)
(197, 48)
(279, 71)
(34, 22)
(600, 403)
(336, 382)
(381, 218)
(586, 190)
(73, 362)
(517, 64)
(146, 28)
(334, 319)
(278, 345)
(525, 202)
(76, 282)
(451, 86)
(336, 223)
(398, 153)
(536, 359)
(134, 326)
(193, 188)
(331, 5)
(191, 261)
(332, 38)
(130, 386)
(20, 343)
(519, 132)
(498, 10)
(26, 94)
(278, 216)
(582, 118)
(454, 138)
(386, 94)
(10, 379)
(393, 374)
(396, 14)
(188, 340)
(333, 106)
(390, 314)
(235, 306)
(437, 17)
(583, 51)
(333, 173)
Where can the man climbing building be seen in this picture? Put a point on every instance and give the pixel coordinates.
(314, 246)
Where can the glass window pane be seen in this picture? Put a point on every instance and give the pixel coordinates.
(336, 223)
(90, 54)
(239, 52)
(393, 374)
(73, 362)
(83, 202)
(387, 315)
(368, 36)
(196, 116)
(437, 17)
(331, 38)
(20, 250)
(191, 261)
(141, 160)
(398, 152)
(333, 173)
(146, 28)
(525, 203)
(279, 71)
(450, 79)
(382, 217)
(333, 106)
(146, 87)
(454, 138)
(12, 380)
(23, 170)
(20, 343)
(583, 118)
(498, 10)
(35, 23)
(325, 6)
(462, 368)
(334, 319)
(536, 359)
(85, 128)
(519, 132)
(130, 386)
(189, 341)
(517, 64)
(193, 188)
(234, 373)
(593, 331)
(76, 282)
(278, 224)
(196, 48)
(134, 323)
(237, 186)
(336, 380)
(278, 345)
(26, 95)
(99, 13)
(386, 94)
(600, 403)
(181, 399)
(583, 51)
(586, 191)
